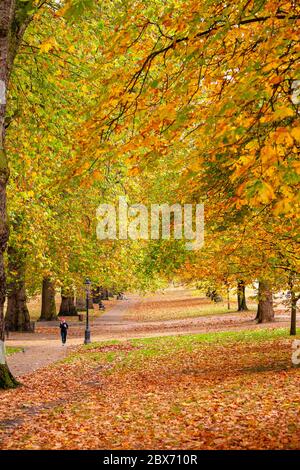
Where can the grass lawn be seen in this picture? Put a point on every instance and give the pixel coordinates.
(10, 350)
(228, 390)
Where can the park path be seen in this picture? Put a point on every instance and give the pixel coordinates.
(44, 347)
(116, 313)
(40, 352)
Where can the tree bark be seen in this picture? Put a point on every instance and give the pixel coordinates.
(67, 306)
(294, 299)
(241, 296)
(104, 293)
(17, 314)
(81, 303)
(48, 310)
(265, 311)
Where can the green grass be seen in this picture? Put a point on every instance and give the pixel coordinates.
(185, 341)
(155, 347)
(174, 344)
(10, 350)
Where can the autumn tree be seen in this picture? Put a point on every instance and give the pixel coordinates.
(14, 19)
(212, 88)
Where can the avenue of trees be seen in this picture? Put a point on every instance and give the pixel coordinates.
(163, 102)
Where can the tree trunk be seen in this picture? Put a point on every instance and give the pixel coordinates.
(265, 311)
(67, 306)
(294, 299)
(13, 24)
(48, 310)
(241, 296)
(104, 293)
(7, 16)
(81, 304)
(6, 379)
(17, 315)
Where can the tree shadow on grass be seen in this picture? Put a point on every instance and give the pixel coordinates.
(280, 366)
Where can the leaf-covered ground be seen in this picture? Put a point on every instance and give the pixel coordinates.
(178, 303)
(234, 390)
(34, 306)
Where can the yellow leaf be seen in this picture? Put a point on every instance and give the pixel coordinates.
(196, 164)
(98, 175)
(271, 66)
(240, 189)
(296, 165)
(266, 193)
(275, 80)
(268, 154)
(282, 136)
(296, 133)
(283, 112)
(282, 207)
(134, 171)
(47, 45)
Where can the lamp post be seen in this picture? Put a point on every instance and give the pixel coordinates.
(87, 333)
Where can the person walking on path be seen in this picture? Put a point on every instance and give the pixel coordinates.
(63, 330)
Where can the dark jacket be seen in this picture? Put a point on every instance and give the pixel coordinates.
(63, 326)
